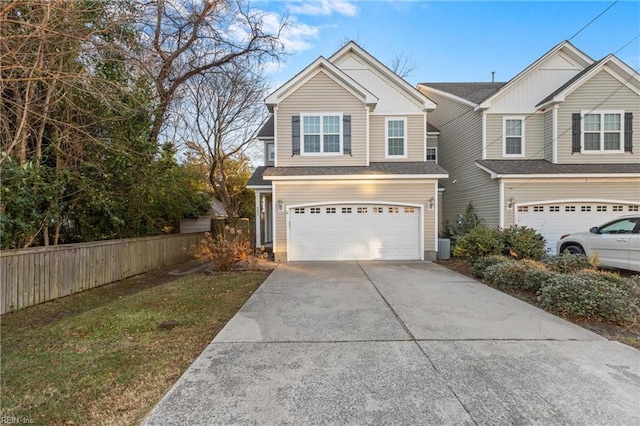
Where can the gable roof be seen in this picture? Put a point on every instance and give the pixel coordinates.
(399, 82)
(336, 74)
(474, 92)
(267, 130)
(564, 45)
(586, 74)
(256, 180)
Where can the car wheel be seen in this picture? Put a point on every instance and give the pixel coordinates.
(573, 249)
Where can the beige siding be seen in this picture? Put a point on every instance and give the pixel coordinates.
(547, 125)
(397, 191)
(415, 138)
(321, 94)
(459, 146)
(602, 92)
(533, 129)
(569, 189)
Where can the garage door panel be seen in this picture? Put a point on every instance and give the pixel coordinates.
(557, 219)
(363, 232)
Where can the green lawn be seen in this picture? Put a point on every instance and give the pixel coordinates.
(98, 357)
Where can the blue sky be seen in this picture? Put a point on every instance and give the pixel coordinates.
(453, 41)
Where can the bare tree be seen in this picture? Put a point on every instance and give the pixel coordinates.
(226, 110)
(403, 64)
(187, 39)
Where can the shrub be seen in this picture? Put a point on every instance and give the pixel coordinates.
(591, 296)
(522, 242)
(512, 275)
(567, 263)
(480, 264)
(480, 241)
(225, 250)
(535, 279)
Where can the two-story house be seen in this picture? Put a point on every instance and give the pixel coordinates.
(351, 170)
(551, 149)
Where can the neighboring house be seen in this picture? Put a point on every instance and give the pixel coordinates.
(552, 148)
(203, 223)
(350, 165)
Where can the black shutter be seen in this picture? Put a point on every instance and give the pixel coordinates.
(346, 134)
(575, 141)
(295, 135)
(628, 132)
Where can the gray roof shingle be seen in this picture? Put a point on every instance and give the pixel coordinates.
(474, 92)
(256, 178)
(544, 167)
(267, 131)
(404, 168)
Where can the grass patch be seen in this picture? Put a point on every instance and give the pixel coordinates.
(98, 357)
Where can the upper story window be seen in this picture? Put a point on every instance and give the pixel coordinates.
(321, 134)
(432, 154)
(396, 131)
(271, 153)
(602, 131)
(513, 143)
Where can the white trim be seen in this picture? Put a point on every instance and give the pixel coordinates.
(495, 175)
(602, 112)
(554, 133)
(504, 135)
(366, 115)
(322, 116)
(436, 218)
(386, 137)
(484, 135)
(258, 187)
(274, 218)
(502, 206)
(275, 136)
(577, 200)
(448, 95)
(420, 207)
(425, 137)
(257, 212)
(425, 154)
(355, 177)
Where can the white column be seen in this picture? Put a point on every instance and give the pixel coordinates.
(258, 242)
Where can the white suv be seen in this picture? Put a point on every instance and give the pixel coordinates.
(616, 243)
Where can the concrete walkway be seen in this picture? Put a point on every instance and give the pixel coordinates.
(400, 343)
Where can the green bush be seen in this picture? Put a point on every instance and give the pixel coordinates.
(512, 275)
(522, 242)
(536, 278)
(480, 241)
(480, 264)
(590, 296)
(567, 263)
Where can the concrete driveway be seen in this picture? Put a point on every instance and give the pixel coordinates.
(400, 343)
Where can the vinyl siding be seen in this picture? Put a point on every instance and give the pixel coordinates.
(533, 141)
(547, 125)
(378, 140)
(321, 94)
(601, 89)
(459, 146)
(569, 189)
(432, 141)
(399, 191)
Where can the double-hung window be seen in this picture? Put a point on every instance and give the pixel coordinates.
(602, 131)
(321, 134)
(432, 154)
(396, 131)
(513, 143)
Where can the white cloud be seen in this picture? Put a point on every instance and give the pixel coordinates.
(296, 37)
(324, 8)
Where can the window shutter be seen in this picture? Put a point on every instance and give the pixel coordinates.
(628, 132)
(295, 135)
(346, 134)
(575, 141)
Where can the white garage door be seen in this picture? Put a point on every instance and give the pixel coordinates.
(555, 220)
(354, 232)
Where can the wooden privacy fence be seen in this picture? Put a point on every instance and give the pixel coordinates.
(36, 275)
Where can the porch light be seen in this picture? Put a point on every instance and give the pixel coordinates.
(431, 204)
(510, 204)
(280, 206)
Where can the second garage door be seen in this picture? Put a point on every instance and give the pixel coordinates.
(354, 232)
(555, 220)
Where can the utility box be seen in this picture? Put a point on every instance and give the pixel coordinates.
(444, 248)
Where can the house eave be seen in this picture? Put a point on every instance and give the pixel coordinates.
(357, 177)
